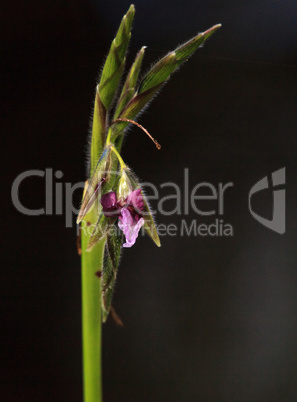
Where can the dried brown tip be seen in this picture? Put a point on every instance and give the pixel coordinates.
(116, 317)
(123, 119)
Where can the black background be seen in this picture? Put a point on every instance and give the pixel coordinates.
(206, 318)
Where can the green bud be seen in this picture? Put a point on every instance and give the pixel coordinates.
(115, 61)
(162, 70)
(158, 75)
(186, 50)
(98, 131)
(124, 187)
(129, 86)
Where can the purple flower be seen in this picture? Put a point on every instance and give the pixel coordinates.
(135, 199)
(129, 212)
(111, 207)
(130, 226)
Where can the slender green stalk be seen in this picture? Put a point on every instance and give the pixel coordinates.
(91, 318)
(92, 259)
(111, 178)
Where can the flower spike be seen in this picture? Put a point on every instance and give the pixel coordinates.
(114, 207)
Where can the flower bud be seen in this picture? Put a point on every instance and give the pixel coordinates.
(125, 187)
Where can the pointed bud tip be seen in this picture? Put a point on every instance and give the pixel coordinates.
(212, 29)
(156, 239)
(215, 27)
(131, 10)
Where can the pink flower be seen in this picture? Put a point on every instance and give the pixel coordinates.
(130, 226)
(111, 207)
(129, 212)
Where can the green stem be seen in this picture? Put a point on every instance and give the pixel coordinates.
(120, 159)
(91, 317)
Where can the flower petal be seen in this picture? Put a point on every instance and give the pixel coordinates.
(136, 200)
(110, 204)
(109, 200)
(127, 223)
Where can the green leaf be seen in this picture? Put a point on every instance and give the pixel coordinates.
(100, 176)
(115, 61)
(109, 270)
(130, 83)
(149, 223)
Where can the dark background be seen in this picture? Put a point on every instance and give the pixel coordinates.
(206, 318)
